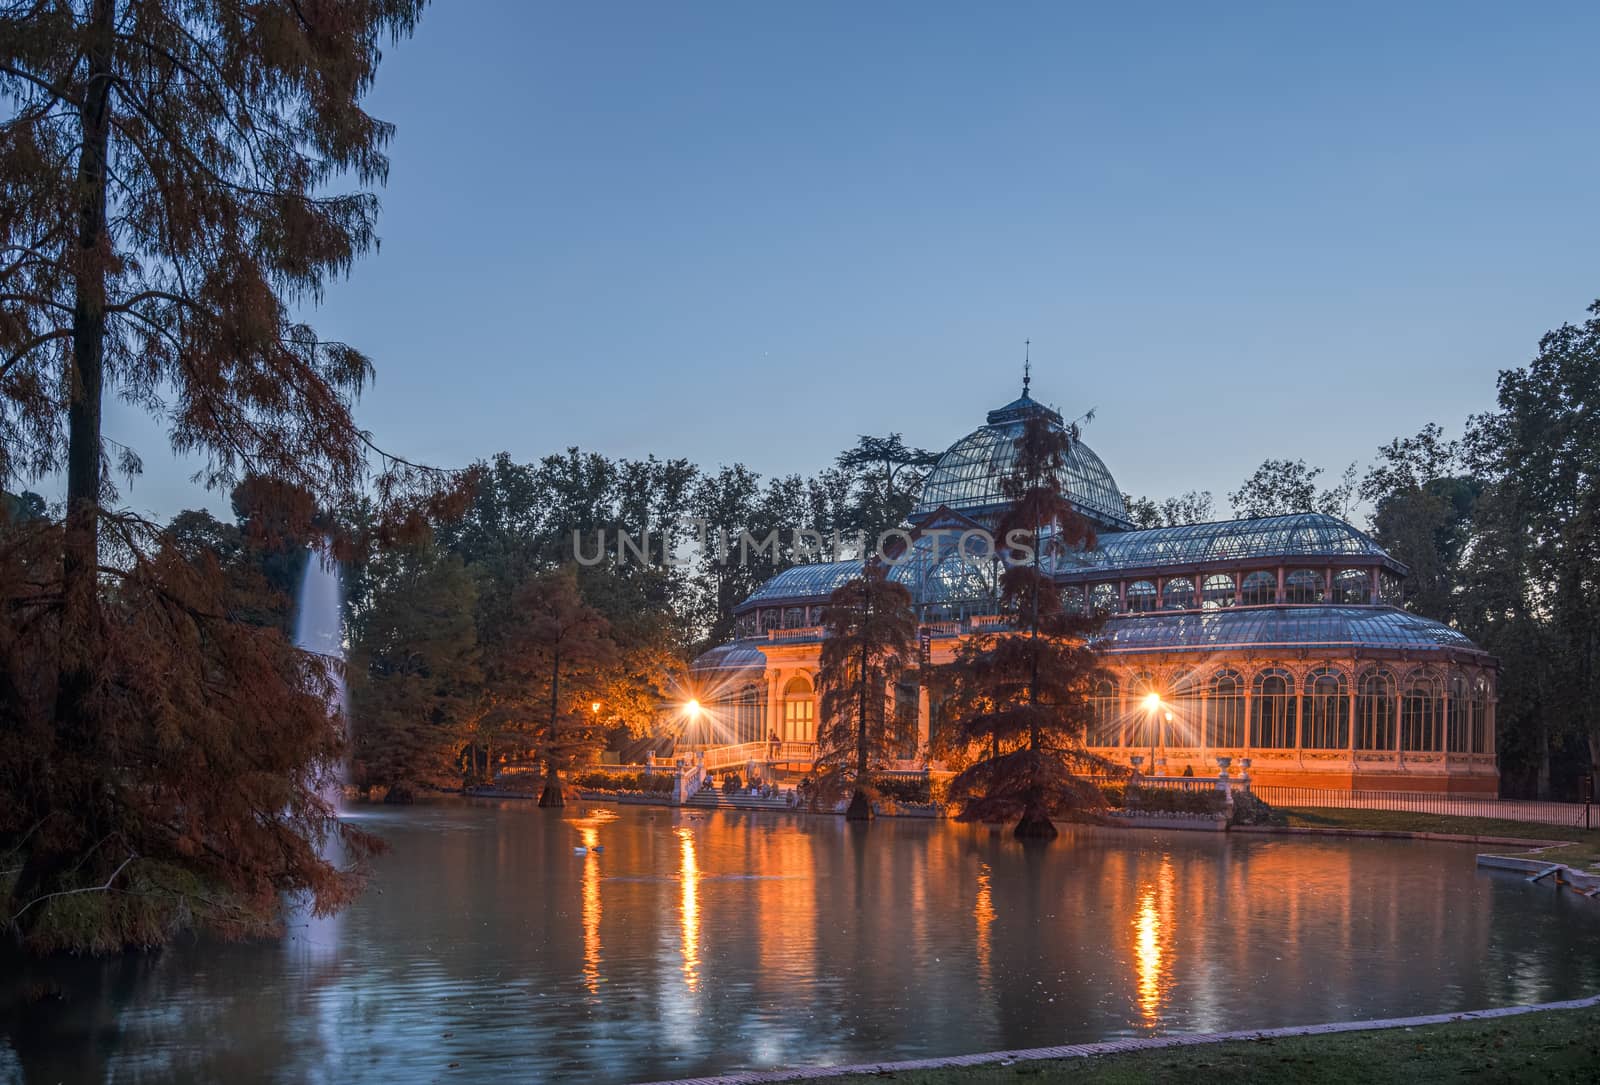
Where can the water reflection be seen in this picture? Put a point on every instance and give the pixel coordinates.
(1152, 937)
(983, 918)
(591, 907)
(689, 910)
(696, 944)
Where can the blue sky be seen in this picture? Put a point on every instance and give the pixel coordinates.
(750, 232)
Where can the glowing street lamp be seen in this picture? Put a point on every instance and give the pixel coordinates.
(1153, 705)
(595, 708)
(691, 709)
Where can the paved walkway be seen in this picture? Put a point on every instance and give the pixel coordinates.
(1112, 1047)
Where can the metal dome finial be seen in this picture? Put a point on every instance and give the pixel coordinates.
(1027, 365)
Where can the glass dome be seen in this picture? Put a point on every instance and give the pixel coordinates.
(967, 477)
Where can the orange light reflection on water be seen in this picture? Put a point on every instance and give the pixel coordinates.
(591, 910)
(983, 919)
(689, 912)
(1152, 943)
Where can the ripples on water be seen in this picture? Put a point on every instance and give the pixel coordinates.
(694, 943)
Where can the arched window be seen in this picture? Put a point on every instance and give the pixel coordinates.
(1303, 586)
(1225, 711)
(1352, 586)
(1422, 714)
(1177, 594)
(1327, 710)
(799, 711)
(1141, 596)
(1072, 598)
(794, 617)
(1104, 599)
(1217, 592)
(1273, 716)
(1456, 738)
(770, 617)
(1479, 716)
(1375, 711)
(1107, 712)
(1260, 588)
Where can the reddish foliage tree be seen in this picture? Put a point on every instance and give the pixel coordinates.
(205, 798)
(163, 210)
(871, 632)
(1022, 699)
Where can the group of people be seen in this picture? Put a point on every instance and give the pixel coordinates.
(734, 784)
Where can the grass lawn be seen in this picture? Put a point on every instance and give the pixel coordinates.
(1545, 1047)
(1583, 851)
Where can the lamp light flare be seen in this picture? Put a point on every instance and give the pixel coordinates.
(692, 707)
(1152, 701)
(595, 708)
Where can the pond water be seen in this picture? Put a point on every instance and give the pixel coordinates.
(696, 943)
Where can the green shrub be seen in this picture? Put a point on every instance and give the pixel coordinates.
(1250, 809)
(1164, 800)
(904, 788)
(624, 781)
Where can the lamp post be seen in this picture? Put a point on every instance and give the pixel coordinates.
(1152, 705)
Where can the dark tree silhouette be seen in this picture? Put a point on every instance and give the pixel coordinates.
(870, 633)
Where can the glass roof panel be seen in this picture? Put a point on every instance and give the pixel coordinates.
(1287, 627)
(1303, 534)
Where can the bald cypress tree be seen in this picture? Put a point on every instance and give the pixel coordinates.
(1022, 698)
(870, 634)
(166, 205)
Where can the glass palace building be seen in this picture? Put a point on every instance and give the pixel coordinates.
(1276, 639)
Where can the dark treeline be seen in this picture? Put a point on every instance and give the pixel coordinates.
(457, 651)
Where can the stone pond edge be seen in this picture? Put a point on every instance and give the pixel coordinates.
(1112, 1047)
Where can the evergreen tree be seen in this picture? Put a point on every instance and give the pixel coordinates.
(553, 665)
(1422, 514)
(413, 673)
(887, 475)
(1191, 507)
(870, 633)
(1021, 699)
(1538, 454)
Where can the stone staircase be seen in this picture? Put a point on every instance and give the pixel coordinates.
(712, 798)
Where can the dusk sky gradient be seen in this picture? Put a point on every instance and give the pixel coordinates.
(751, 232)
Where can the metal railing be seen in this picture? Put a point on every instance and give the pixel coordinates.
(805, 632)
(1572, 815)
